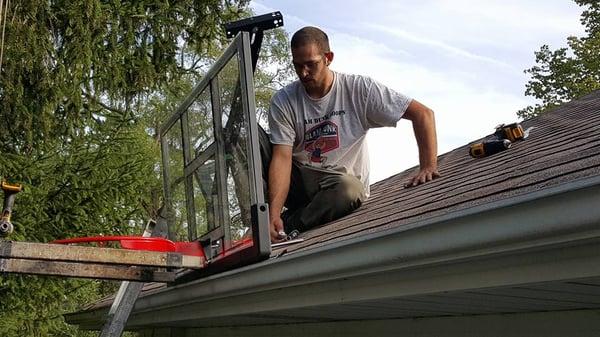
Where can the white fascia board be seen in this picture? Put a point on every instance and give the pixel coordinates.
(581, 323)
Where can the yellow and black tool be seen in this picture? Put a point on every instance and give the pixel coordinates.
(505, 135)
(489, 147)
(512, 132)
(10, 192)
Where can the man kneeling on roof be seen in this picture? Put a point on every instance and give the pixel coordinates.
(317, 159)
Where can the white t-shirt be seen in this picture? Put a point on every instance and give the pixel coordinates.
(329, 132)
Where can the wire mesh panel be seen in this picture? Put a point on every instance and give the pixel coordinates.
(206, 198)
(174, 185)
(210, 146)
(200, 124)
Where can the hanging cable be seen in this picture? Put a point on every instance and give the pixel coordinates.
(3, 22)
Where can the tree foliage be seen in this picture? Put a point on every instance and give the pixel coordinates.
(84, 87)
(566, 73)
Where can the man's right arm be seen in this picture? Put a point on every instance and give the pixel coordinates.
(280, 171)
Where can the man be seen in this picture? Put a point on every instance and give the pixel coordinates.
(319, 167)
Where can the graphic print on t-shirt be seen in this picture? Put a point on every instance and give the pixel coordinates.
(321, 139)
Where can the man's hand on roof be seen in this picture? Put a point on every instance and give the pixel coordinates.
(423, 121)
(425, 174)
(277, 232)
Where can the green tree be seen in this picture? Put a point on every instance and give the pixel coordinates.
(84, 87)
(75, 80)
(566, 73)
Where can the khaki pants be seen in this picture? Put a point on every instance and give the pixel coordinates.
(316, 195)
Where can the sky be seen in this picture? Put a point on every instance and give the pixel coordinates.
(465, 59)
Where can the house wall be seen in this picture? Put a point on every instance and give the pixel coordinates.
(580, 323)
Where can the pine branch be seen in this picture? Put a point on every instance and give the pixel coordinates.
(105, 106)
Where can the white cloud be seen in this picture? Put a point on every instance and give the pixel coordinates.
(502, 18)
(290, 21)
(436, 44)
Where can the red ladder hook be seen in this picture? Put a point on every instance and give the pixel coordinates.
(142, 243)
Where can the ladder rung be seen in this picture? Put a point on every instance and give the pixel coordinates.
(86, 254)
(85, 270)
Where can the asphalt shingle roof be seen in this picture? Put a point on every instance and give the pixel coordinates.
(563, 146)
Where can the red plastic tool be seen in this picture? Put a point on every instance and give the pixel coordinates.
(142, 243)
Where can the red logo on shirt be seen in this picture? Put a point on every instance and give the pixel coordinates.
(321, 139)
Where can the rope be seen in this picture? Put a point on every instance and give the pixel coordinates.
(3, 21)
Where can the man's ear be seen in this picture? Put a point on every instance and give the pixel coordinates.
(328, 57)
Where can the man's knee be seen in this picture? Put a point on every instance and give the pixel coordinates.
(352, 192)
(346, 190)
(337, 195)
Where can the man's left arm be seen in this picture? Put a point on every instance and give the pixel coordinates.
(423, 121)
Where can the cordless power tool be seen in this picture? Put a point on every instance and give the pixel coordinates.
(10, 192)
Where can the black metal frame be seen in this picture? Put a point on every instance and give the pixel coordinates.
(261, 247)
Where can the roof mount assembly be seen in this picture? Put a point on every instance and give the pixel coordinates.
(254, 24)
(222, 197)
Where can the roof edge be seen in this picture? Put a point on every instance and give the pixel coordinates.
(544, 218)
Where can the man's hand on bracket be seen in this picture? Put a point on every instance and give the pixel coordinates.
(425, 174)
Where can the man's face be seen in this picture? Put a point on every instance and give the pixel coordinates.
(311, 65)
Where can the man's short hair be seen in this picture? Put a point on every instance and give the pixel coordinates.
(308, 35)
